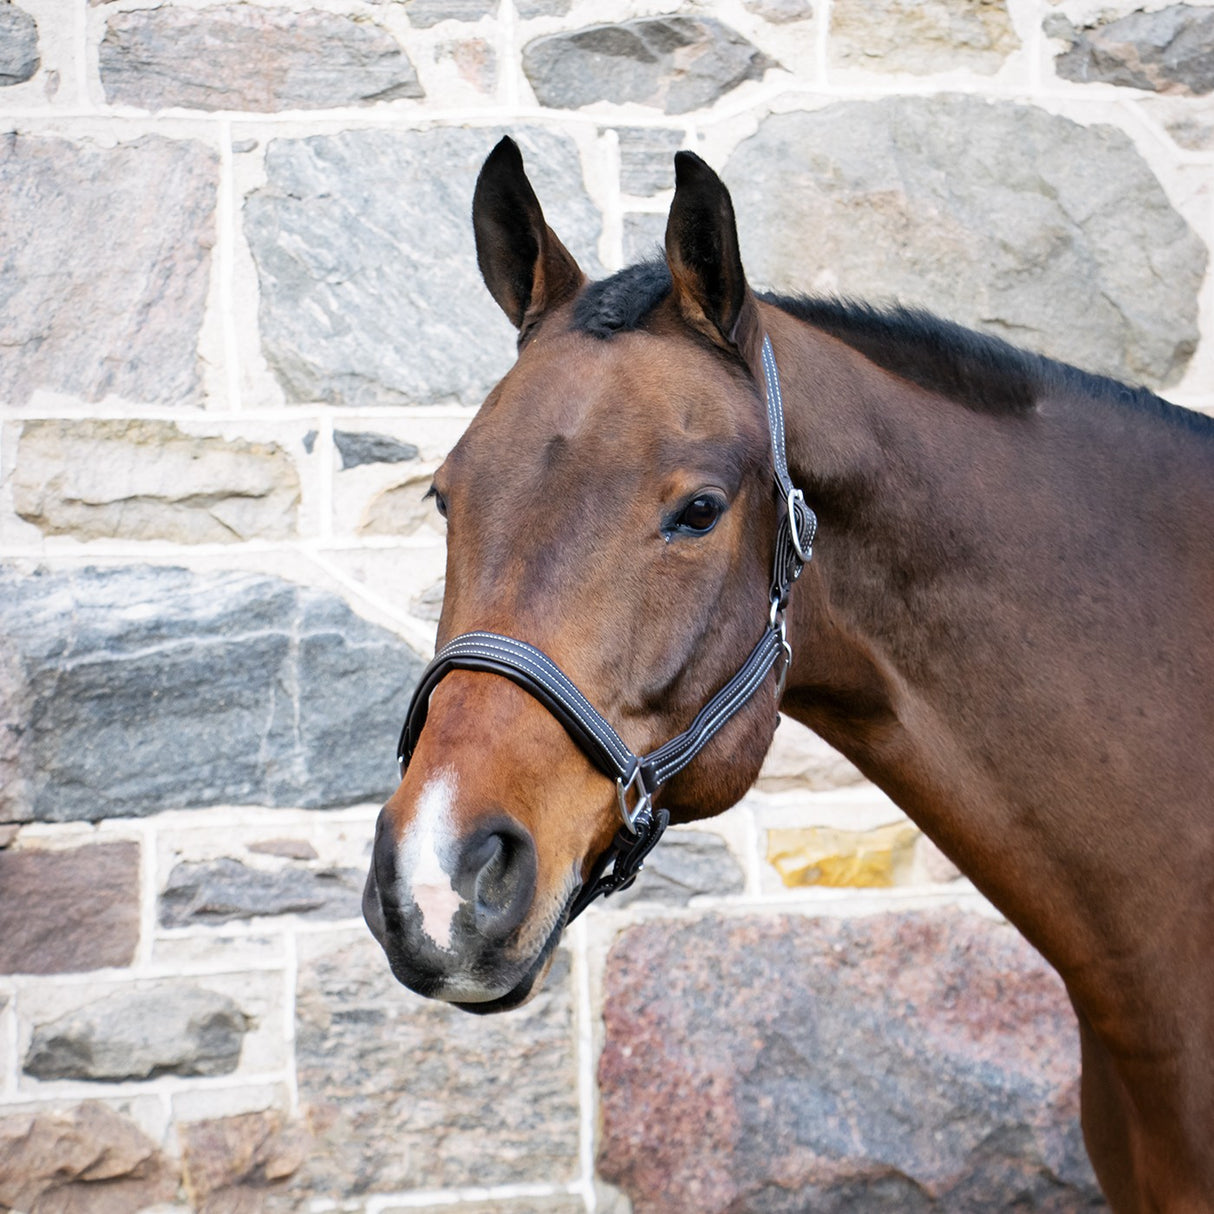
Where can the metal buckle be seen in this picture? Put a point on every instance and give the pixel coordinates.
(781, 626)
(795, 498)
(644, 803)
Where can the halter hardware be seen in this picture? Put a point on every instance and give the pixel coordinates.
(539, 675)
(644, 801)
(796, 503)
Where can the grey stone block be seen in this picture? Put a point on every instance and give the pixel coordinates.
(923, 1063)
(542, 8)
(913, 36)
(218, 891)
(105, 261)
(1003, 217)
(136, 689)
(358, 447)
(241, 57)
(363, 244)
(674, 63)
(19, 58)
(1170, 50)
(406, 1093)
(644, 236)
(686, 863)
(425, 13)
(780, 12)
(647, 159)
(150, 480)
(173, 1030)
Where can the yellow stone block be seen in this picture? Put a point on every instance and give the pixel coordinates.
(821, 855)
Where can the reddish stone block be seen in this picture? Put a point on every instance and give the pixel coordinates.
(65, 911)
(234, 1163)
(87, 1160)
(906, 1063)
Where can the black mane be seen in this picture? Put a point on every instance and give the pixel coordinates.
(976, 370)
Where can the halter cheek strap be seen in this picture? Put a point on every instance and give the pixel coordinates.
(638, 777)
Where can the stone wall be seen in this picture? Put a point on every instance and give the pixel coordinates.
(240, 323)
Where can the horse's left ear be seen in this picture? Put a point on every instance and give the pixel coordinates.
(524, 265)
(709, 283)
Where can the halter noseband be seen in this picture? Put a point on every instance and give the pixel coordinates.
(636, 776)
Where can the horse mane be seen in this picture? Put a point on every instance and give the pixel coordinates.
(977, 370)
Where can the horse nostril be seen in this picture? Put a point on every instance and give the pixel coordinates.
(499, 865)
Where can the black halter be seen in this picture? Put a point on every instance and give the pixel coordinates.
(638, 777)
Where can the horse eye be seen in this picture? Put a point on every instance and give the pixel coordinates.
(440, 502)
(700, 514)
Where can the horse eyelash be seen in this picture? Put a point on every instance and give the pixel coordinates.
(440, 503)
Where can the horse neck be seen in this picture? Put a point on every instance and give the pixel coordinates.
(1002, 627)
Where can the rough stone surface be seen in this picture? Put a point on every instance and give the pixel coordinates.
(19, 57)
(780, 12)
(105, 264)
(218, 891)
(686, 863)
(647, 159)
(291, 849)
(425, 13)
(901, 1063)
(357, 448)
(1166, 51)
(138, 688)
(369, 288)
(644, 236)
(233, 1163)
(913, 36)
(937, 867)
(149, 480)
(428, 605)
(526, 1205)
(542, 8)
(1194, 133)
(799, 759)
(402, 509)
(65, 911)
(674, 63)
(184, 1030)
(403, 1093)
(87, 1160)
(822, 855)
(999, 216)
(476, 61)
(241, 57)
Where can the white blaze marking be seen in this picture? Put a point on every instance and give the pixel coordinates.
(423, 874)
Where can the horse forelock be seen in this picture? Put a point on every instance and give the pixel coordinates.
(620, 303)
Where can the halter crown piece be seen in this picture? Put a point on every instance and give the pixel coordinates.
(639, 777)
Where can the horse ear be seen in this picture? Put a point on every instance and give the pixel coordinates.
(524, 265)
(705, 262)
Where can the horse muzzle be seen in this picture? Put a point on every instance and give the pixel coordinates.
(451, 914)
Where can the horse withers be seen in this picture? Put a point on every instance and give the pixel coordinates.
(1009, 627)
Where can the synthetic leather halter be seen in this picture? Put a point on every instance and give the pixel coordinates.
(638, 776)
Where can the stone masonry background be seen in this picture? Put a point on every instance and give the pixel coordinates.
(240, 324)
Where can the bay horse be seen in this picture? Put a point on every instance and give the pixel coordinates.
(1008, 626)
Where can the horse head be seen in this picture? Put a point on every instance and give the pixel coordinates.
(612, 505)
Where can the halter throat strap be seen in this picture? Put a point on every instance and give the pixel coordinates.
(638, 778)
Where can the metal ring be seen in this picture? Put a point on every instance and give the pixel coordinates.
(795, 497)
(786, 664)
